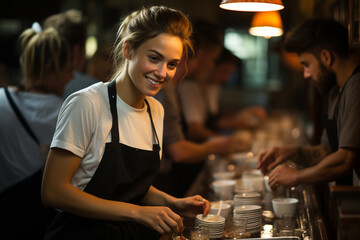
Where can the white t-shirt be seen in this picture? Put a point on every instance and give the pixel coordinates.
(20, 155)
(84, 127)
(197, 101)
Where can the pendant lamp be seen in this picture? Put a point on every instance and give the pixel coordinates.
(266, 24)
(252, 5)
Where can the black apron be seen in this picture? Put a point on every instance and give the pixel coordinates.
(124, 174)
(332, 133)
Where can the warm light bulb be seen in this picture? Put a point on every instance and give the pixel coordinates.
(266, 24)
(266, 32)
(248, 6)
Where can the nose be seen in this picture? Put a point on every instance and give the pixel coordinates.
(307, 73)
(161, 71)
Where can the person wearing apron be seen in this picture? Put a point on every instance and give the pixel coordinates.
(331, 128)
(27, 124)
(105, 152)
(322, 48)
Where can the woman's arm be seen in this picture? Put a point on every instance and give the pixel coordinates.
(58, 192)
(184, 151)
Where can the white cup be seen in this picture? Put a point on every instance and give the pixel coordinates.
(225, 209)
(224, 175)
(224, 189)
(284, 206)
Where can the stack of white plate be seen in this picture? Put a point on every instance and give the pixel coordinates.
(249, 198)
(214, 223)
(253, 215)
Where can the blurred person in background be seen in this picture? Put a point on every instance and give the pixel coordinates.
(99, 65)
(212, 116)
(72, 26)
(200, 91)
(323, 49)
(27, 123)
(208, 44)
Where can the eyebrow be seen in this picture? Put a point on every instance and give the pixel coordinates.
(156, 52)
(303, 63)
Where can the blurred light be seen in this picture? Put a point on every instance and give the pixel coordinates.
(267, 231)
(252, 5)
(266, 24)
(91, 46)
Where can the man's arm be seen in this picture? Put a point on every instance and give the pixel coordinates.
(189, 152)
(331, 167)
(272, 157)
(310, 156)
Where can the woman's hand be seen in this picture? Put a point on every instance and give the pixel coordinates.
(191, 206)
(162, 219)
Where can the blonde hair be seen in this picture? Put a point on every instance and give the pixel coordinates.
(43, 53)
(146, 24)
(71, 25)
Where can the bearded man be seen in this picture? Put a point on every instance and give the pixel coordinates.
(323, 49)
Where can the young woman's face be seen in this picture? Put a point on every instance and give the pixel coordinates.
(154, 63)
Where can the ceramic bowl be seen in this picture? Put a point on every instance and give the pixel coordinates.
(284, 206)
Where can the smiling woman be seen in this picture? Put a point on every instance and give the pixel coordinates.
(154, 62)
(103, 159)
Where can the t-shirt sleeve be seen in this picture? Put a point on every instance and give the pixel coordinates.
(75, 125)
(192, 102)
(349, 136)
(172, 120)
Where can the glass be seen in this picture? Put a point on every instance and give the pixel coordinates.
(199, 233)
(286, 225)
(236, 228)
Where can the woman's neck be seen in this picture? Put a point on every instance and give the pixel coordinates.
(129, 93)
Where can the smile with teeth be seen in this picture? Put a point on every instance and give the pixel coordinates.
(153, 82)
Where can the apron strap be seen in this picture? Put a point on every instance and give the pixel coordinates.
(20, 116)
(112, 100)
(115, 127)
(156, 146)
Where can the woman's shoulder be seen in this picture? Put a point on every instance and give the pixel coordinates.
(94, 93)
(155, 105)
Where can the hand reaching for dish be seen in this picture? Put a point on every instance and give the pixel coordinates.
(191, 206)
(162, 219)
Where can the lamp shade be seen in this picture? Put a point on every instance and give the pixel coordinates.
(266, 24)
(252, 5)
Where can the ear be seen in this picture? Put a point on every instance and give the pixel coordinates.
(126, 50)
(326, 57)
(79, 57)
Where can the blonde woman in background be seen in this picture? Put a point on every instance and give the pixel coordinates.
(27, 123)
(106, 149)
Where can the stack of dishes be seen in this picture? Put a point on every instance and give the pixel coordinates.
(253, 215)
(214, 223)
(249, 198)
